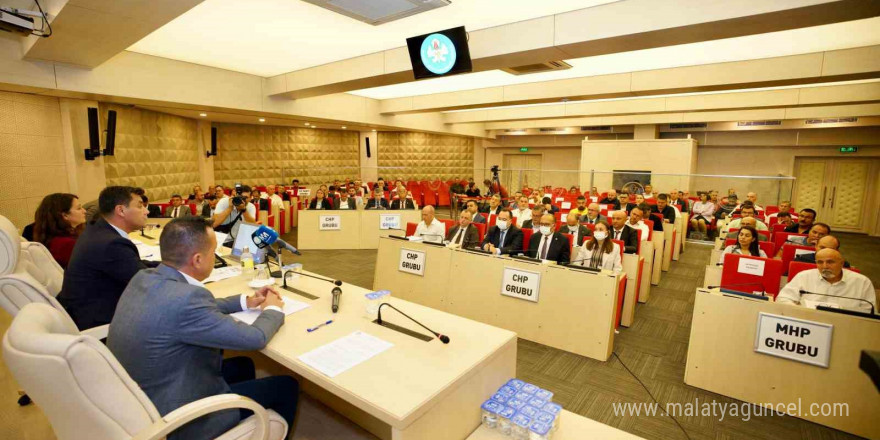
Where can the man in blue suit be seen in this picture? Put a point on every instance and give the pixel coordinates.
(169, 333)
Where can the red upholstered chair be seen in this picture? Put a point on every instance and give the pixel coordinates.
(590, 226)
(732, 278)
(650, 225)
(621, 292)
(415, 191)
(492, 218)
(443, 195)
(411, 228)
(162, 207)
(621, 245)
(192, 208)
(527, 236)
(485, 215)
(570, 240)
(775, 227)
(428, 194)
(772, 209)
(790, 251)
(780, 238)
(481, 230)
(658, 215)
(558, 216)
(448, 223)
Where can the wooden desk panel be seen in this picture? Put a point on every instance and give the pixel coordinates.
(631, 263)
(721, 359)
(370, 231)
(310, 236)
(668, 229)
(657, 239)
(431, 290)
(646, 251)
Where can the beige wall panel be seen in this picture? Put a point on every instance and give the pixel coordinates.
(259, 155)
(770, 69)
(770, 98)
(617, 107)
(847, 61)
(369, 165)
(459, 117)
(134, 75)
(511, 38)
(559, 165)
(155, 151)
(596, 85)
(275, 84)
(396, 105)
(833, 111)
(14, 70)
(341, 71)
(735, 115)
(549, 111)
(846, 93)
(662, 118)
(32, 161)
(840, 136)
(86, 178)
(425, 156)
(397, 60)
(664, 156)
(752, 138)
(573, 140)
(454, 99)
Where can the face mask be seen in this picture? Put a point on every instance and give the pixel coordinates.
(502, 224)
(545, 230)
(600, 235)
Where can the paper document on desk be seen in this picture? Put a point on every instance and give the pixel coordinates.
(340, 355)
(149, 253)
(291, 306)
(222, 273)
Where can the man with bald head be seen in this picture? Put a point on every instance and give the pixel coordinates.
(619, 231)
(611, 199)
(548, 244)
(845, 289)
(826, 242)
(577, 230)
(430, 229)
(753, 197)
(635, 222)
(593, 215)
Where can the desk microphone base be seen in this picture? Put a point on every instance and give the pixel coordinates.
(405, 331)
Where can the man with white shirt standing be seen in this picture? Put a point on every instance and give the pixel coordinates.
(830, 278)
(430, 229)
(169, 333)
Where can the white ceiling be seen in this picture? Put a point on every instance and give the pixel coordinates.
(271, 37)
(815, 39)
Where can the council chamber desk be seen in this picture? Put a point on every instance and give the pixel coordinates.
(350, 229)
(569, 309)
(723, 357)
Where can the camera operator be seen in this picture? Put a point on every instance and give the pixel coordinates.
(231, 211)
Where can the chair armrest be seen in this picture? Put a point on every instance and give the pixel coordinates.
(193, 410)
(99, 332)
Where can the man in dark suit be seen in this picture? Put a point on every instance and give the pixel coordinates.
(611, 199)
(377, 201)
(577, 230)
(104, 259)
(346, 201)
(464, 234)
(504, 238)
(474, 211)
(169, 333)
(535, 222)
(401, 202)
(663, 208)
(549, 245)
(495, 205)
(593, 216)
(619, 231)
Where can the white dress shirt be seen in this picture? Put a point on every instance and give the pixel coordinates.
(640, 226)
(243, 299)
(522, 215)
(573, 230)
(851, 285)
(610, 261)
(435, 232)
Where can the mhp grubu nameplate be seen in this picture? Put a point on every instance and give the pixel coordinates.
(795, 339)
(412, 261)
(522, 284)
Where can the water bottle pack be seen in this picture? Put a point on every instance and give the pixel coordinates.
(522, 411)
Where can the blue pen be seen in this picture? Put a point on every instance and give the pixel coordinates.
(318, 326)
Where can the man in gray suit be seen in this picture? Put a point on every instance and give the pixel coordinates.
(169, 333)
(177, 209)
(593, 216)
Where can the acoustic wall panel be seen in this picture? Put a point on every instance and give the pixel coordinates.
(155, 151)
(261, 155)
(424, 156)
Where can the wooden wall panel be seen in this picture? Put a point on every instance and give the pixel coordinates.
(424, 156)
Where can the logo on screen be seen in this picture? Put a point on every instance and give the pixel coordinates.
(438, 54)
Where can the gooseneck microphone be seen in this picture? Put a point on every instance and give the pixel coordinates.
(806, 292)
(443, 338)
(337, 290)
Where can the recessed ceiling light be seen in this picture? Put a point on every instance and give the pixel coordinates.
(344, 127)
(262, 119)
(374, 129)
(203, 114)
(307, 124)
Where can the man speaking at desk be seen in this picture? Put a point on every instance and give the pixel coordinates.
(169, 333)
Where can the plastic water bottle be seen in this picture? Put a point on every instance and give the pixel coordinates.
(374, 300)
(539, 431)
(504, 423)
(516, 384)
(544, 394)
(490, 410)
(520, 429)
(530, 389)
(529, 411)
(247, 260)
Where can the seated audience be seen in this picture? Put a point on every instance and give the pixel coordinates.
(321, 201)
(504, 238)
(623, 201)
(177, 209)
(572, 226)
(580, 206)
(472, 190)
(472, 208)
(639, 199)
(649, 211)
(680, 204)
(649, 192)
(522, 212)
(430, 229)
(196, 188)
(805, 220)
(817, 231)
(600, 252)
(402, 201)
(619, 231)
(203, 207)
(748, 211)
(495, 205)
(549, 245)
(753, 197)
(829, 278)
(726, 209)
(594, 192)
(549, 206)
(573, 191)
(784, 218)
(713, 197)
(211, 206)
(826, 242)
(463, 235)
(593, 216)
(747, 244)
(272, 194)
(378, 200)
(611, 200)
(514, 202)
(534, 223)
(635, 222)
(345, 200)
(703, 211)
(231, 211)
(746, 221)
(169, 333)
(104, 259)
(784, 207)
(58, 223)
(662, 207)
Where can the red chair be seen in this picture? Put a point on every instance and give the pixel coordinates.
(766, 246)
(192, 208)
(411, 228)
(570, 240)
(796, 267)
(780, 238)
(449, 224)
(650, 225)
(481, 230)
(485, 215)
(776, 227)
(590, 226)
(443, 195)
(558, 216)
(492, 218)
(429, 196)
(790, 251)
(415, 191)
(527, 237)
(621, 245)
(772, 209)
(768, 281)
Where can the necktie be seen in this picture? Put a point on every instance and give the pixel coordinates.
(616, 234)
(544, 246)
(174, 214)
(458, 236)
(501, 239)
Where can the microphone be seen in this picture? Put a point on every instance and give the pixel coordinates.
(443, 338)
(763, 292)
(804, 292)
(265, 236)
(337, 290)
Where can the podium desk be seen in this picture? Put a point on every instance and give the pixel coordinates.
(658, 239)
(722, 359)
(668, 244)
(632, 269)
(571, 427)
(358, 229)
(681, 235)
(646, 251)
(413, 390)
(575, 310)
